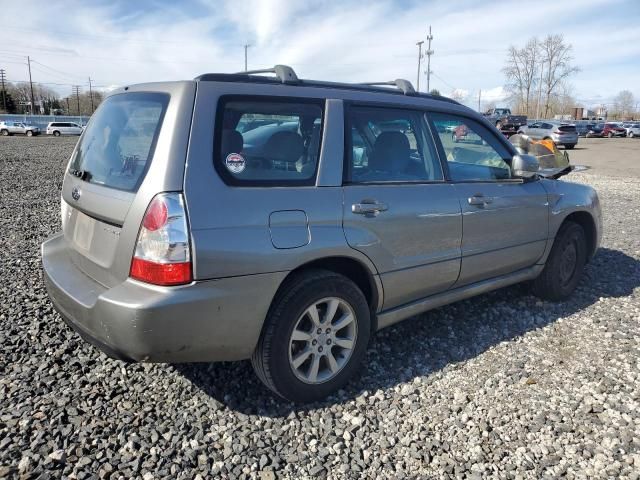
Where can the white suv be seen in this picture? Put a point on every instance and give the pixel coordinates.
(63, 128)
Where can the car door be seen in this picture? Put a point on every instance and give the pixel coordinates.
(504, 219)
(398, 208)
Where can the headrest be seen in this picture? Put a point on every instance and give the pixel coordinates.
(391, 152)
(232, 142)
(285, 146)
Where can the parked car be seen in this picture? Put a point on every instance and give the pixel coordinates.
(561, 133)
(611, 129)
(63, 128)
(595, 130)
(504, 120)
(21, 128)
(181, 242)
(632, 129)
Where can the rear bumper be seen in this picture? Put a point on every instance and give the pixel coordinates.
(211, 320)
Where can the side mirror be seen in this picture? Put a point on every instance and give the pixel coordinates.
(524, 166)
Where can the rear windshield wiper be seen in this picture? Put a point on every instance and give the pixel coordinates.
(81, 174)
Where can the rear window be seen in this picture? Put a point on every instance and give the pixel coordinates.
(567, 128)
(268, 141)
(119, 141)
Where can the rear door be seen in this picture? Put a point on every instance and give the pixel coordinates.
(398, 210)
(130, 152)
(505, 220)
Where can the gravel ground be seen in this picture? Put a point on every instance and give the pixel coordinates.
(503, 385)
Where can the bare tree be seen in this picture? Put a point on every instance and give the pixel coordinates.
(458, 95)
(624, 104)
(556, 62)
(521, 71)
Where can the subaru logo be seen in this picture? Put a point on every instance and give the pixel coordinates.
(75, 193)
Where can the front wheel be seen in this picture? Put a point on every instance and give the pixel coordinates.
(565, 264)
(5, 133)
(499, 125)
(29, 133)
(569, 147)
(314, 338)
(610, 135)
(631, 134)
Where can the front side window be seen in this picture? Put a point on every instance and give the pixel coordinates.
(389, 145)
(472, 152)
(119, 142)
(268, 142)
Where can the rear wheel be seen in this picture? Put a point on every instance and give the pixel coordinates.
(56, 133)
(565, 264)
(29, 133)
(314, 338)
(4, 132)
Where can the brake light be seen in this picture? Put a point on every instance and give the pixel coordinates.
(163, 254)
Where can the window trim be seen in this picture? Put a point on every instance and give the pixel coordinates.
(348, 105)
(232, 181)
(442, 153)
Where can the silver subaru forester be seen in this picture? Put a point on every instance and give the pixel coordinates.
(242, 216)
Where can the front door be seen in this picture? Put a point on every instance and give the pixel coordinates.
(398, 209)
(505, 219)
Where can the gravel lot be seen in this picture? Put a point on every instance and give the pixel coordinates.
(503, 385)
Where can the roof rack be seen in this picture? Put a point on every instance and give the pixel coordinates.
(404, 85)
(284, 73)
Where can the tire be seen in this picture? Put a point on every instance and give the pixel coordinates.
(631, 135)
(454, 138)
(499, 125)
(5, 133)
(29, 133)
(569, 147)
(56, 133)
(277, 350)
(610, 135)
(565, 264)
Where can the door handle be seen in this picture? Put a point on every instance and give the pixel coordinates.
(371, 208)
(479, 199)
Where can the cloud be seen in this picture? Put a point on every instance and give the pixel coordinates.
(128, 42)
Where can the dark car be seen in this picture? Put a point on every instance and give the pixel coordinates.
(613, 130)
(595, 130)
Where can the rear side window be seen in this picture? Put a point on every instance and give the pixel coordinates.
(268, 141)
(118, 144)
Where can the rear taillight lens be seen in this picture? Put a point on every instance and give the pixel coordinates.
(163, 255)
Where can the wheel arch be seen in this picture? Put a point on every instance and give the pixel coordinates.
(355, 270)
(588, 224)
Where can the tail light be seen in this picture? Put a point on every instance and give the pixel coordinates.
(163, 254)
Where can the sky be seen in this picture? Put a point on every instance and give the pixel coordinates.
(124, 42)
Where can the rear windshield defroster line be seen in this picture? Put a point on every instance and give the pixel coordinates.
(118, 144)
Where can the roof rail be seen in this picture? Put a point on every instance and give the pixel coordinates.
(284, 73)
(403, 85)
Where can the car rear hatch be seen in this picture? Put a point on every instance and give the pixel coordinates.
(133, 148)
(567, 130)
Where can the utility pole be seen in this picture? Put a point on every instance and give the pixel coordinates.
(30, 82)
(91, 95)
(429, 52)
(479, 98)
(76, 92)
(246, 47)
(68, 108)
(4, 95)
(419, 44)
(539, 93)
